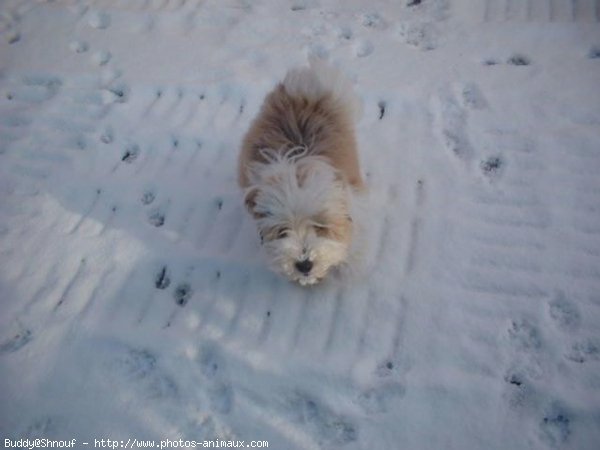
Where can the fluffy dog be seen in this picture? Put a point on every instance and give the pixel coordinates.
(298, 165)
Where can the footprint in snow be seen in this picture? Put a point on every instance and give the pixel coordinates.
(422, 36)
(363, 48)
(453, 126)
(519, 60)
(555, 426)
(386, 368)
(182, 294)
(381, 106)
(345, 33)
(147, 197)
(472, 97)
(514, 379)
(525, 339)
(456, 141)
(492, 166)
(564, 312)
(514, 60)
(218, 387)
(524, 335)
(162, 279)
(392, 368)
(491, 62)
(201, 428)
(9, 27)
(80, 142)
(140, 368)
(107, 136)
(115, 94)
(594, 53)
(17, 342)
(584, 351)
(36, 88)
(299, 6)
(101, 57)
(131, 153)
(331, 428)
(210, 362)
(372, 20)
(39, 428)
(378, 399)
(519, 392)
(13, 36)
(79, 46)
(79, 9)
(156, 218)
(99, 20)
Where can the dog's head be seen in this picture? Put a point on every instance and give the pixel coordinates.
(300, 204)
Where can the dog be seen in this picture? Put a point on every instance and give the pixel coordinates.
(299, 166)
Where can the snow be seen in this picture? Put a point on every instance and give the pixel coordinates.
(135, 301)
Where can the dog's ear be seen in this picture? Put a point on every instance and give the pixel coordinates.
(250, 199)
(250, 202)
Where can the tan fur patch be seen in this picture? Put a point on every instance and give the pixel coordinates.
(323, 125)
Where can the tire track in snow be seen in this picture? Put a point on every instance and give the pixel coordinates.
(488, 268)
(209, 221)
(223, 312)
(367, 325)
(235, 328)
(501, 223)
(49, 283)
(209, 296)
(282, 323)
(70, 285)
(416, 226)
(124, 307)
(299, 322)
(379, 337)
(195, 104)
(312, 327)
(108, 221)
(139, 6)
(333, 323)
(232, 219)
(101, 285)
(87, 212)
(191, 162)
(269, 316)
(183, 228)
(537, 11)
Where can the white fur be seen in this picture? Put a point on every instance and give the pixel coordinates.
(282, 201)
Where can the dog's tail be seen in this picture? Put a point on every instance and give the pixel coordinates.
(321, 78)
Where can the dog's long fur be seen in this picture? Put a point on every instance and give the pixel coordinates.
(297, 164)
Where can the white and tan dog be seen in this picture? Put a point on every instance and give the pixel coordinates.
(298, 166)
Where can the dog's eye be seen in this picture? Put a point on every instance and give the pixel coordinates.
(282, 233)
(321, 230)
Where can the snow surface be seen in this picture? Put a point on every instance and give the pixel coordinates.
(135, 302)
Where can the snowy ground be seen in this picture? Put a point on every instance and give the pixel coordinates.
(135, 303)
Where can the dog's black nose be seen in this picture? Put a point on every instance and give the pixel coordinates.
(304, 266)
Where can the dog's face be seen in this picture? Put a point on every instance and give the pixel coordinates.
(301, 209)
